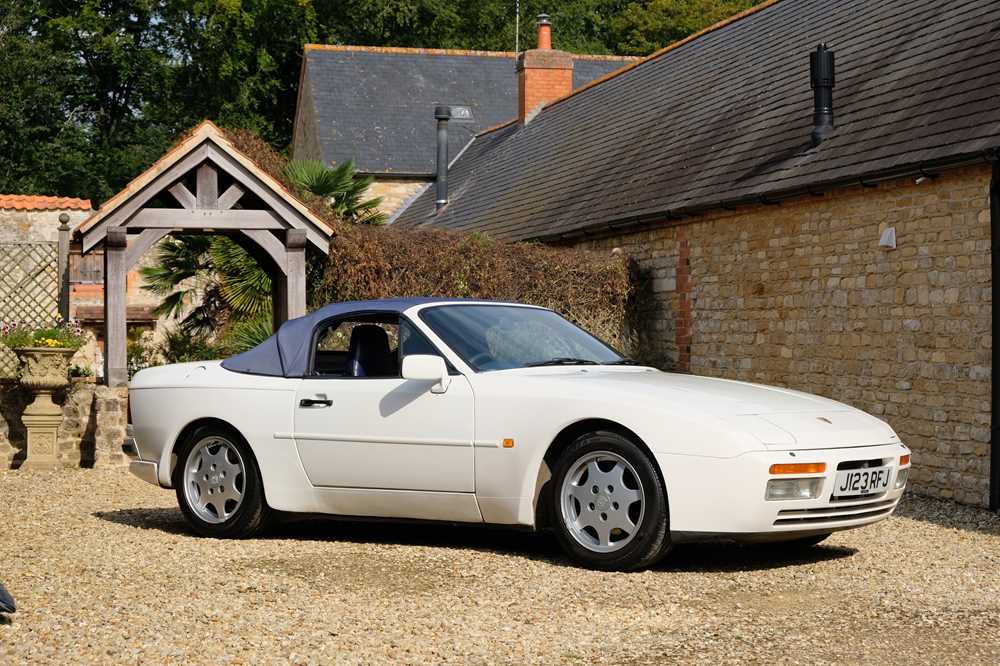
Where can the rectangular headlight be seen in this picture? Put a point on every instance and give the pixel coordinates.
(901, 477)
(794, 489)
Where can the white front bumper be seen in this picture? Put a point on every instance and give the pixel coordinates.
(724, 497)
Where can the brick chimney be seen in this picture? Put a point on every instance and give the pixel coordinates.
(543, 74)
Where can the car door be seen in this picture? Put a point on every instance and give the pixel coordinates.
(377, 430)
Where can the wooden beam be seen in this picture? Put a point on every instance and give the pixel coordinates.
(319, 237)
(230, 196)
(183, 195)
(141, 244)
(115, 333)
(295, 256)
(177, 218)
(96, 234)
(271, 245)
(208, 186)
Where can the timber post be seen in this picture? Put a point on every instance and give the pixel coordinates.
(62, 266)
(115, 324)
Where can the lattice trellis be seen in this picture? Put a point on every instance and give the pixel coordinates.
(29, 290)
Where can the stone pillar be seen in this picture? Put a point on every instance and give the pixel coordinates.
(111, 407)
(115, 276)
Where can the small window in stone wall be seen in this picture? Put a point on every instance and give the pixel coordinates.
(87, 268)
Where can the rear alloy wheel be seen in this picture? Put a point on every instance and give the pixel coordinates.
(611, 506)
(218, 484)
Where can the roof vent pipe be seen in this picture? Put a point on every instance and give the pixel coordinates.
(442, 114)
(822, 81)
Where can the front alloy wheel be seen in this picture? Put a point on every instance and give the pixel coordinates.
(610, 503)
(602, 501)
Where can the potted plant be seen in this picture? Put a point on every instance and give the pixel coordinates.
(44, 353)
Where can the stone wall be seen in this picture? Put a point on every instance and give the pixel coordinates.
(801, 295)
(91, 432)
(35, 225)
(394, 192)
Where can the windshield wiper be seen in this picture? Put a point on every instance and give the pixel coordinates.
(624, 361)
(561, 360)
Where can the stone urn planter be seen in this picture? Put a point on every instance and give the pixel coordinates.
(44, 370)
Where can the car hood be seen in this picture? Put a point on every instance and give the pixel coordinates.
(723, 397)
(778, 417)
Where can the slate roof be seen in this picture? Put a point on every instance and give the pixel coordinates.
(725, 116)
(33, 202)
(375, 105)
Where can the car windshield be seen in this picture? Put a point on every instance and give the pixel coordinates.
(498, 337)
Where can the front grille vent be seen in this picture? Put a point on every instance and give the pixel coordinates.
(862, 464)
(831, 514)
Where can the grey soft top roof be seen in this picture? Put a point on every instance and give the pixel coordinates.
(286, 353)
(725, 119)
(375, 105)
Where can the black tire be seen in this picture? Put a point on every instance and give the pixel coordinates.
(651, 538)
(251, 515)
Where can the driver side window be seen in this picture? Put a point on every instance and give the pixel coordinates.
(358, 347)
(368, 346)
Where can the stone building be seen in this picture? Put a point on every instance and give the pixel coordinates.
(31, 218)
(840, 249)
(375, 106)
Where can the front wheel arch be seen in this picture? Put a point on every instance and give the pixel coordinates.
(569, 434)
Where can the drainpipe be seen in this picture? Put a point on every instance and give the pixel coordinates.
(442, 114)
(995, 319)
(821, 80)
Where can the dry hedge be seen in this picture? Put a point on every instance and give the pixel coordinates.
(593, 289)
(590, 288)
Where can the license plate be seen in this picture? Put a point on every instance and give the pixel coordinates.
(855, 482)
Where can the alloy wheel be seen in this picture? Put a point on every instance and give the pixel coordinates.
(214, 479)
(602, 501)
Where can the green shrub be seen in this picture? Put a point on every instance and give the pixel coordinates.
(589, 288)
(180, 346)
(66, 335)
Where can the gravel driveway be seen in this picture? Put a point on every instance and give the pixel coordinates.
(104, 570)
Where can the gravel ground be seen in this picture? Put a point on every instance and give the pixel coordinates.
(104, 571)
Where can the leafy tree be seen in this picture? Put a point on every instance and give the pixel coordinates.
(95, 90)
(645, 26)
(77, 80)
(238, 62)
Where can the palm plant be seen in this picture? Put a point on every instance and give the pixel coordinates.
(342, 189)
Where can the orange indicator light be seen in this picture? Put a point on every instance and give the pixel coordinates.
(798, 468)
(508, 443)
(904, 460)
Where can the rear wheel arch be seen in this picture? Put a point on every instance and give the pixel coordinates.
(569, 434)
(187, 431)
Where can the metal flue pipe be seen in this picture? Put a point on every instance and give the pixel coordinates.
(821, 79)
(442, 114)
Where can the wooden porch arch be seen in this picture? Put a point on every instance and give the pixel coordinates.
(275, 228)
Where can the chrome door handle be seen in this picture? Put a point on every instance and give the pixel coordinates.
(315, 402)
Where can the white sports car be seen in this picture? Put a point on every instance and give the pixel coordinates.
(480, 412)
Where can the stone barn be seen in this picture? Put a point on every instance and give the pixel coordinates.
(808, 192)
